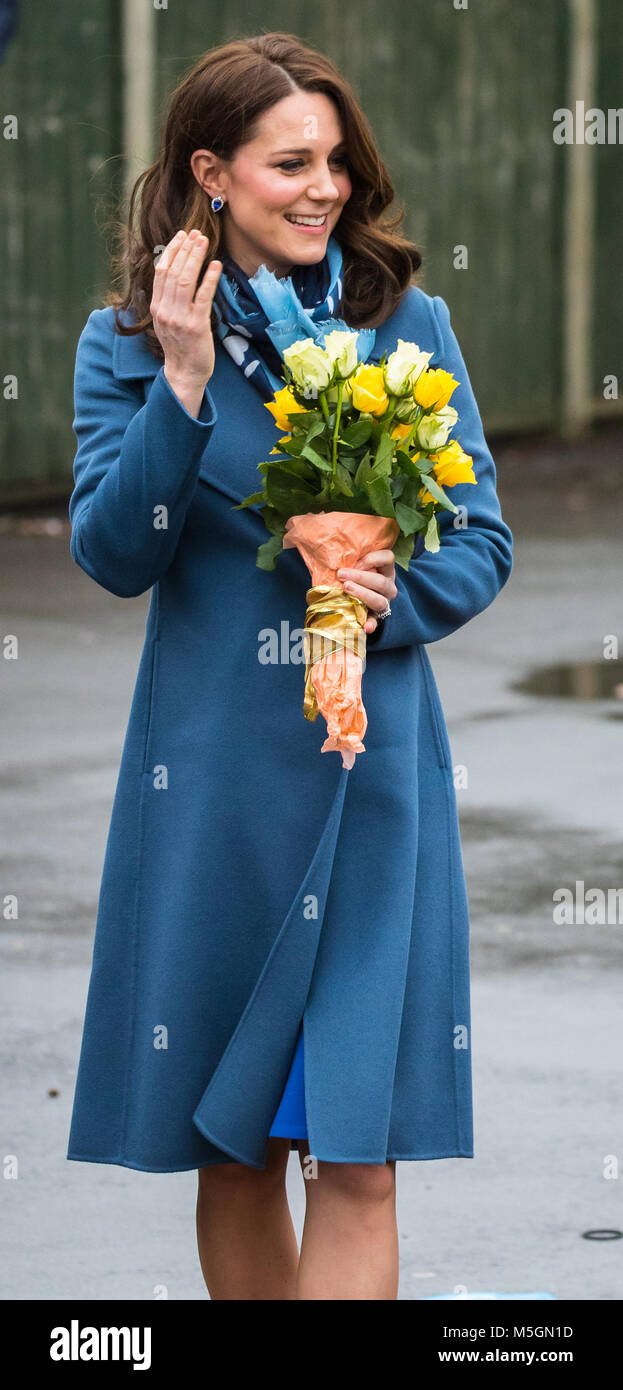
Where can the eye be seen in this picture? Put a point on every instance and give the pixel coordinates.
(292, 165)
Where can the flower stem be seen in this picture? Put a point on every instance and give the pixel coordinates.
(323, 405)
(336, 430)
(405, 442)
(391, 411)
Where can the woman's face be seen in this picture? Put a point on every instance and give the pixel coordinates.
(296, 165)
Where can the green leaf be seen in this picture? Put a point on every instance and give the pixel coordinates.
(344, 480)
(317, 426)
(411, 494)
(337, 503)
(292, 449)
(357, 434)
(409, 520)
(403, 550)
(431, 539)
(250, 501)
(380, 496)
(296, 466)
(268, 552)
(407, 464)
(272, 521)
(279, 486)
(302, 502)
(316, 459)
(303, 420)
(398, 483)
(438, 492)
(363, 472)
(361, 503)
(383, 457)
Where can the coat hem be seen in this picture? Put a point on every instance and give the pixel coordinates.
(145, 1167)
(454, 878)
(213, 1162)
(232, 1152)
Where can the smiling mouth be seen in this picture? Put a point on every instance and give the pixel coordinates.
(302, 220)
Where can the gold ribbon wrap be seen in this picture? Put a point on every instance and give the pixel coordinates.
(333, 620)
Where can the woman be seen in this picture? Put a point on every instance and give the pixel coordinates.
(281, 950)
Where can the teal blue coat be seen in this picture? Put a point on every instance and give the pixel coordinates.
(250, 882)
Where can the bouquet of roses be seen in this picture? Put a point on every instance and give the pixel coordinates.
(363, 464)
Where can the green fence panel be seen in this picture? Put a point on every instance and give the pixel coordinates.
(608, 260)
(461, 102)
(60, 79)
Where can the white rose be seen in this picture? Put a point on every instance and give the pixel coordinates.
(403, 367)
(432, 432)
(310, 365)
(342, 349)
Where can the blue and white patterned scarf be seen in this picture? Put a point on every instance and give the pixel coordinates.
(257, 318)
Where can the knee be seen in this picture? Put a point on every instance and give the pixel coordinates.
(237, 1181)
(365, 1184)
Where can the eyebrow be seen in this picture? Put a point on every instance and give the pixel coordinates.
(307, 149)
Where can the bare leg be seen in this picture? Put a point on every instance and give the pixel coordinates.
(349, 1249)
(247, 1245)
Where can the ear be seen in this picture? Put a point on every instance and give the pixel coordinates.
(207, 172)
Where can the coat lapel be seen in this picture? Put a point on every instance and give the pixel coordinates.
(132, 357)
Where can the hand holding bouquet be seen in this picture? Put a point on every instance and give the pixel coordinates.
(362, 466)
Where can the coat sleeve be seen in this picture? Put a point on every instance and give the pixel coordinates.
(133, 461)
(441, 591)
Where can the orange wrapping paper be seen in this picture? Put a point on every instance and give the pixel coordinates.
(334, 632)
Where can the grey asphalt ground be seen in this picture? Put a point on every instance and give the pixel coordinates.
(542, 809)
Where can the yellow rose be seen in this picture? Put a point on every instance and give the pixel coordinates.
(451, 466)
(434, 388)
(284, 401)
(368, 390)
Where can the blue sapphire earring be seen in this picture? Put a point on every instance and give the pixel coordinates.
(217, 203)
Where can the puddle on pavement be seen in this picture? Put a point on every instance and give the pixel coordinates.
(578, 680)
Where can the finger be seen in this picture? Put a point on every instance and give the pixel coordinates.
(371, 597)
(185, 272)
(163, 264)
(379, 559)
(370, 626)
(378, 582)
(171, 250)
(172, 273)
(205, 293)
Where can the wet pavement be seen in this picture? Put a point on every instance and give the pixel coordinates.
(542, 810)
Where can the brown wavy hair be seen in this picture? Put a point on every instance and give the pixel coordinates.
(217, 105)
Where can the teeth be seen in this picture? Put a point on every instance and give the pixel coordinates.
(307, 221)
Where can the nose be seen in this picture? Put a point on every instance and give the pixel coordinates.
(322, 185)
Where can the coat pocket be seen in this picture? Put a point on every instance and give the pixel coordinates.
(151, 689)
(437, 721)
